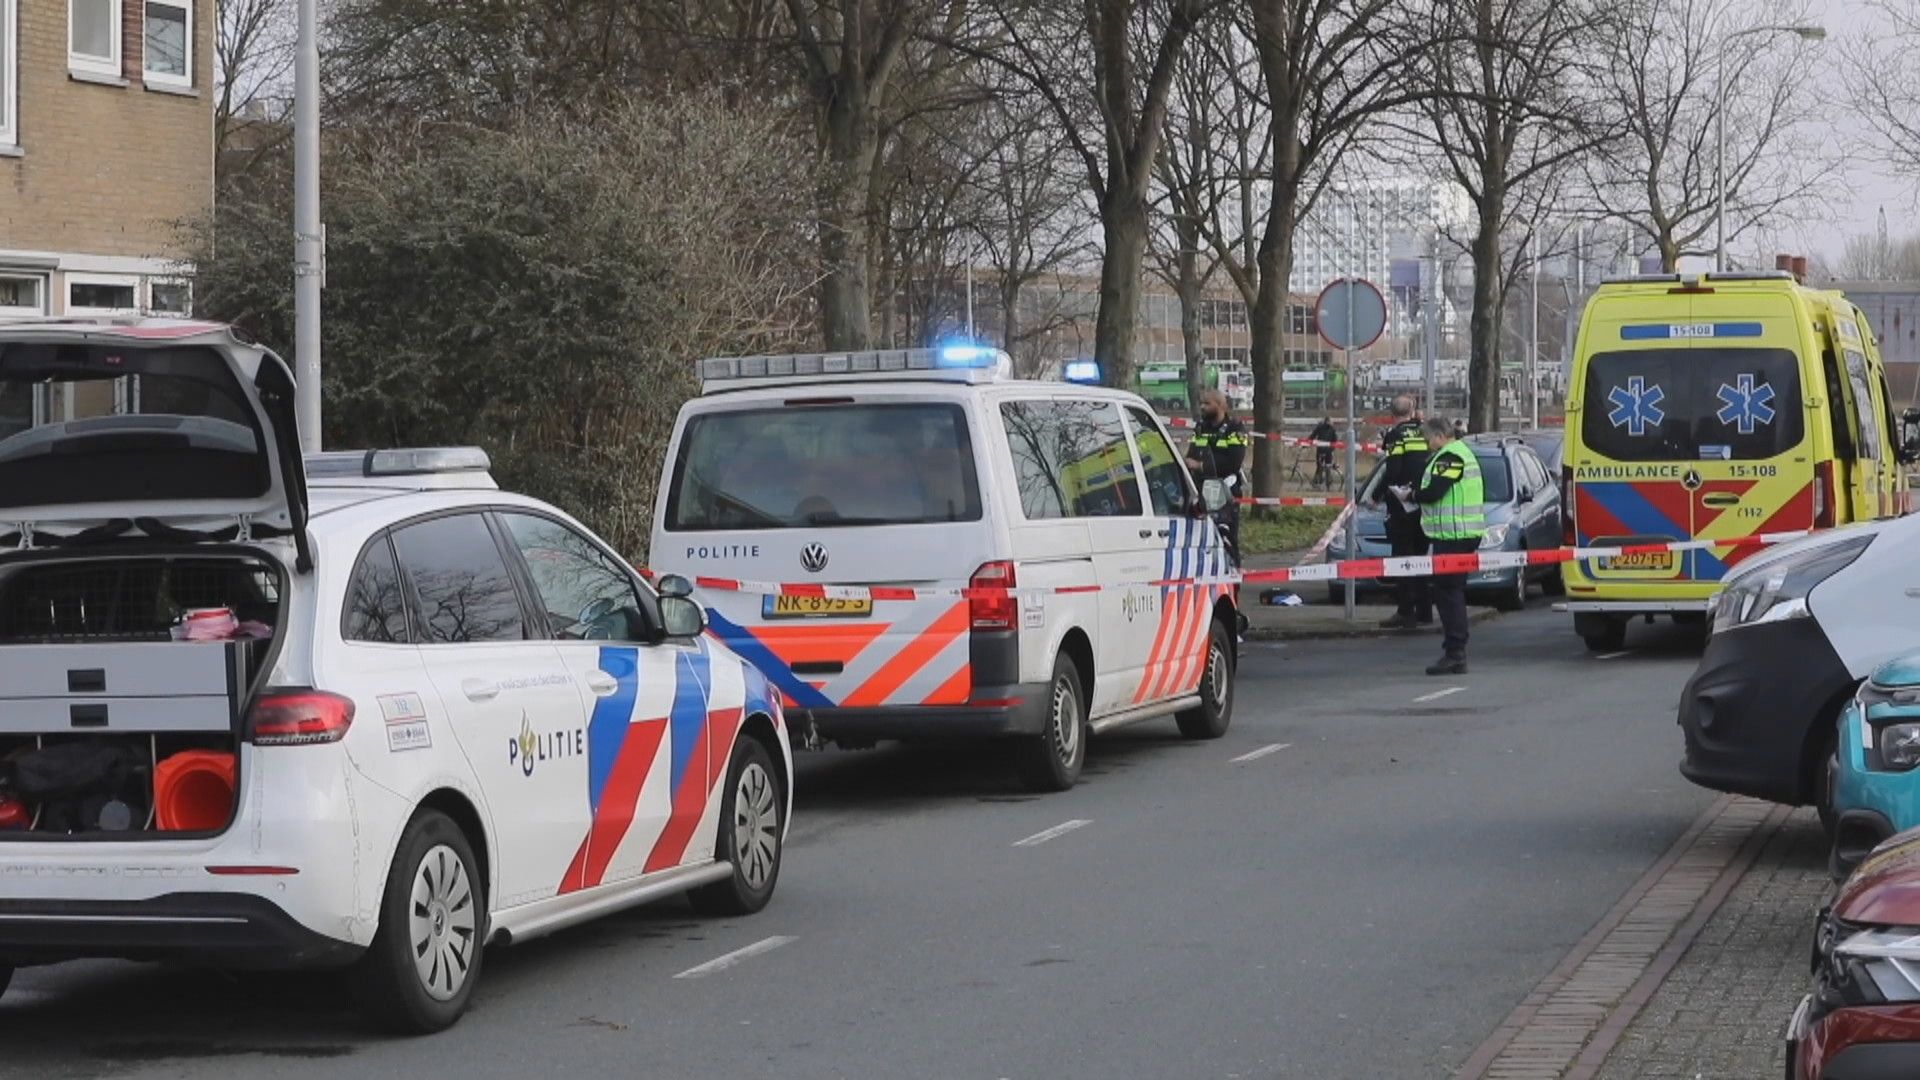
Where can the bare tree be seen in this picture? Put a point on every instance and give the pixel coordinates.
(1661, 82)
(1509, 105)
(1106, 69)
(1875, 257)
(253, 58)
(1883, 75)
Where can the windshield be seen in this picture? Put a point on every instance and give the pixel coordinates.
(92, 423)
(1692, 404)
(791, 467)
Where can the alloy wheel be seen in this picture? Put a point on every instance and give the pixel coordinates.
(442, 923)
(756, 826)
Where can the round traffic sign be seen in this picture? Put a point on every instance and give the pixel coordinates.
(1351, 312)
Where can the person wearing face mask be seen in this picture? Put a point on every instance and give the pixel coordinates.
(1219, 452)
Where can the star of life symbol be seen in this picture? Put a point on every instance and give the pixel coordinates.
(1744, 405)
(1636, 405)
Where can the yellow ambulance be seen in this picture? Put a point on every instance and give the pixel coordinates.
(1714, 407)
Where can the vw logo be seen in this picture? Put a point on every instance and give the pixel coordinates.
(814, 558)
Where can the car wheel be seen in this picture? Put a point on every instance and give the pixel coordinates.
(420, 971)
(1514, 597)
(750, 835)
(1602, 633)
(1051, 761)
(1209, 719)
(1826, 779)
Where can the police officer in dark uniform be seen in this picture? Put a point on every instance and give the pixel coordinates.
(1406, 450)
(1219, 452)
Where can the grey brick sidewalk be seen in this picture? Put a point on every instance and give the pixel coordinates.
(1721, 1013)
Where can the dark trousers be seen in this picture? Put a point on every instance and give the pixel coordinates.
(1450, 598)
(1412, 595)
(1227, 520)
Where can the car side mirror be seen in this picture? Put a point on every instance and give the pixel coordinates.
(673, 585)
(595, 611)
(1214, 495)
(1910, 436)
(1526, 495)
(683, 616)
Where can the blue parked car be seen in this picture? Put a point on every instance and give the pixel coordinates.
(1523, 513)
(1876, 764)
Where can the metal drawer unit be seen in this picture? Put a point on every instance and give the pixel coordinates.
(121, 687)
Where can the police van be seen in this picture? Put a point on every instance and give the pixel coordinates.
(1715, 407)
(1038, 564)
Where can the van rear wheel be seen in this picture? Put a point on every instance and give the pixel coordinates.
(1602, 633)
(1051, 760)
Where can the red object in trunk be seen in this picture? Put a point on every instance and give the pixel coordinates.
(14, 813)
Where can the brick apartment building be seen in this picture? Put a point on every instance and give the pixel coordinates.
(106, 140)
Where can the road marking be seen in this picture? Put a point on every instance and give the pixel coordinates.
(737, 956)
(1255, 755)
(1437, 694)
(1614, 655)
(1045, 835)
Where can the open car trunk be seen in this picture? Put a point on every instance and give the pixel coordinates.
(124, 685)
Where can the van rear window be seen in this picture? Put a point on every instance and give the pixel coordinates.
(802, 466)
(1692, 404)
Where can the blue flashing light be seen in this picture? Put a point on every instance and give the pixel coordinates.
(1082, 371)
(965, 356)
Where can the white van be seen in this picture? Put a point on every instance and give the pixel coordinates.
(1065, 577)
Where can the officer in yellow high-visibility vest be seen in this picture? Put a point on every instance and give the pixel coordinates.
(1452, 502)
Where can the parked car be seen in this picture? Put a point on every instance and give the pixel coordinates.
(1876, 790)
(1862, 1020)
(359, 710)
(1523, 514)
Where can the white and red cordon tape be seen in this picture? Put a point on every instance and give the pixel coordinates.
(1182, 423)
(1409, 566)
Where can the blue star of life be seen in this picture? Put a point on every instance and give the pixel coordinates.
(1744, 405)
(1636, 405)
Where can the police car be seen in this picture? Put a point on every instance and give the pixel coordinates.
(913, 545)
(359, 709)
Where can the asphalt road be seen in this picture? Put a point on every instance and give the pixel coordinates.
(1368, 901)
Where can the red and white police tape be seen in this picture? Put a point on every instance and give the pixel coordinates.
(1409, 566)
(1296, 500)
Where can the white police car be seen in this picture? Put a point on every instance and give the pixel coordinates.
(361, 709)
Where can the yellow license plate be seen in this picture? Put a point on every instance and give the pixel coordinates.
(815, 607)
(1661, 561)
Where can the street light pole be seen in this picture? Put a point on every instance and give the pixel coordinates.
(309, 243)
(1806, 33)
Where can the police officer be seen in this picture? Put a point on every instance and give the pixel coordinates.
(1451, 497)
(1218, 452)
(1406, 451)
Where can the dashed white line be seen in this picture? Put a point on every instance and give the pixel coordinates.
(719, 964)
(1437, 694)
(1255, 755)
(1045, 835)
(1614, 655)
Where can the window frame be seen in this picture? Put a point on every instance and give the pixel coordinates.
(9, 72)
(151, 77)
(107, 66)
(152, 283)
(384, 539)
(73, 278)
(1126, 439)
(40, 279)
(1137, 420)
(517, 565)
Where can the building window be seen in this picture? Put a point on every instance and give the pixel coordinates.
(9, 72)
(101, 294)
(93, 36)
(168, 45)
(22, 294)
(170, 298)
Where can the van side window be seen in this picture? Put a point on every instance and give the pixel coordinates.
(462, 591)
(1867, 418)
(1072, 459)
(1167, 484)
(1837, 407)
(375, 609)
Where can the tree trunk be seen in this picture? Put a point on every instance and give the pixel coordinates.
(1187, 285)
(1669, 253)
(1010, 317)
(1483, 366)
(1268, 323)
(1124, 226)
(852, 141)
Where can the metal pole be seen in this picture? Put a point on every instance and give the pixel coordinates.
(1353, 543)
(309, 246)
(969, 299)
(1533, 340)
(1433, 323)
(1720, 162)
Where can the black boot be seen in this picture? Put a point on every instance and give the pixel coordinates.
(1448, 664)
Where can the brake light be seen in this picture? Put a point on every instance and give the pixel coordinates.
(993, 611)
(1824, 496)
(299, 718)
(1569, 532)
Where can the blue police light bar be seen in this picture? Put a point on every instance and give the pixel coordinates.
(1082, 371)
(965, 356)
(973, 363)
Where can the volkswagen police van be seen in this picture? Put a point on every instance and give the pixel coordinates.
(1715, 407)
(1046, 568)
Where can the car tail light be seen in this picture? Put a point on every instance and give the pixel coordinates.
(299, 718)
(1569, 534)
(1824, 496)
(991, 610)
